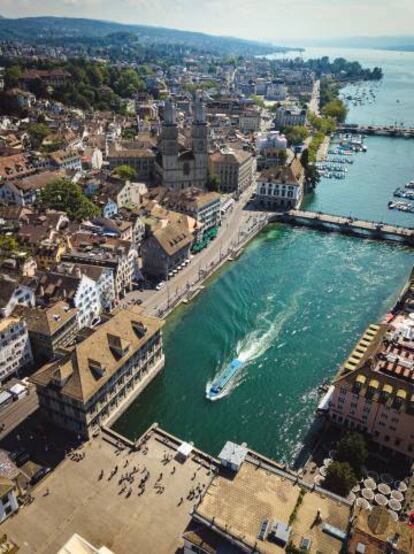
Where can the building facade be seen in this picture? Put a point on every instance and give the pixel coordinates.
(82, 390)
(281, 187)
(234, 169)
(180, 168)
(15, 349)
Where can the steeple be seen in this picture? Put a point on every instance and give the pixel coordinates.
(170, 112)
(200, 113)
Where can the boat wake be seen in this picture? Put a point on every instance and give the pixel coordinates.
(256, 343)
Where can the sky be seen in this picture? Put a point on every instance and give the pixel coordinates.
(274, 20)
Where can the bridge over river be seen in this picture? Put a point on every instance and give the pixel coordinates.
(379, 130)
(345, 225)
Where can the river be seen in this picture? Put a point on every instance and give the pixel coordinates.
(291, 308)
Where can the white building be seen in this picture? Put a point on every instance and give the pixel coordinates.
(13, 293)
(286, 117)
(281, 187)
(15, 349)
(276, 91)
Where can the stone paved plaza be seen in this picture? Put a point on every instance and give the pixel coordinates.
(75, 499)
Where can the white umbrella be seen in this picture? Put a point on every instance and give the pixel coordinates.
(370, 484)
(384, 489)
(318, 479)
(368, 494)
(393, 515)
(395, 505)
(387, 478)
(351, 497)
(362, 503)
(327, 462)
(356, 488)
(401, 486)
(397, 495)
(381, 500)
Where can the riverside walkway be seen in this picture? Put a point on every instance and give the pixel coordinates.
(345, 225)
(379, 130)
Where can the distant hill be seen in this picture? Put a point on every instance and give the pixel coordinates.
(401, 43)
(44, 29)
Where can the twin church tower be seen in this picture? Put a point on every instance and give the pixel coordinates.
(182, 168)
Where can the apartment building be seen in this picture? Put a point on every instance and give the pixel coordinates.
(85, 387)
(15, 349)
(235, 169)
(50, 328)
(79, 290)
(374, 389)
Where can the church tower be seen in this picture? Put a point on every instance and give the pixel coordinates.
(169, 144)
(199, 135)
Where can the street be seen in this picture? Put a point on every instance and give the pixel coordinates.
(234, 230)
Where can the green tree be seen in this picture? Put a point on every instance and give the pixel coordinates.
(125, 172)
(213, 183)
(258, 100)
(128, 83)
(335, 109)
(12, 76)
(38, 132)
(8, 245)
(352, 449)
(340, 478)
(66, 196)
(296, 134)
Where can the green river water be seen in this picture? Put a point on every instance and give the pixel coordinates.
(291, 308)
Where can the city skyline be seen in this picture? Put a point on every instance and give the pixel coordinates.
(258, 20)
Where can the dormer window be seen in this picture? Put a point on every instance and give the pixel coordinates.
(97, 368)
(139, 329)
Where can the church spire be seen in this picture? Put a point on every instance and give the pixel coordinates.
(170, 112)
(200, 112)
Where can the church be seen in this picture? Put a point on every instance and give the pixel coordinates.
(179, 168)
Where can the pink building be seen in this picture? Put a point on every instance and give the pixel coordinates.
(374, 389)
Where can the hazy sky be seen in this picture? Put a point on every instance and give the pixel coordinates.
(257, 19)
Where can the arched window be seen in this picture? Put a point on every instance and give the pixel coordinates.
(186, 168)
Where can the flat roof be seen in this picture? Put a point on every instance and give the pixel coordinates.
(240, 502)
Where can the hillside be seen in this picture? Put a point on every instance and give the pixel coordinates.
(59, 29)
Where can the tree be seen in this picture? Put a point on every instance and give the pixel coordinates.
(340, 478)
(66, 196)
(335, 109)
(38, 132)
(296, 134)
(125, 172)
(258, 100)
(12, 76)
(352, 449)
(213, 183)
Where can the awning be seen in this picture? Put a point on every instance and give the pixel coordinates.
(361, 379)
(374, 383)
(401, 394)
(387, 388)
